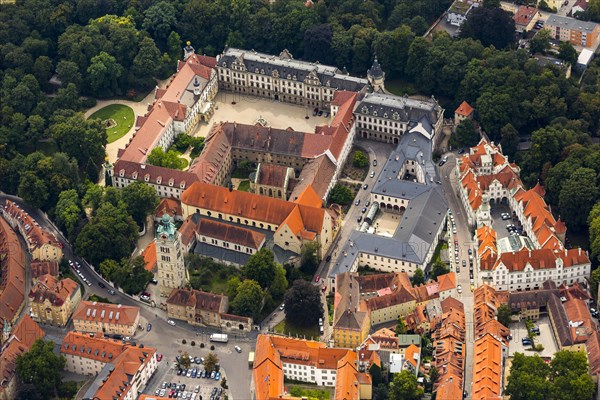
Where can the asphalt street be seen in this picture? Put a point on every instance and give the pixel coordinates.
(165, 338)
(464, 237)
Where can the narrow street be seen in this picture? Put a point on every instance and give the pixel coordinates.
(465, 241)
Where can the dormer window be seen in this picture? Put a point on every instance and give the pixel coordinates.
(122, 172)
(294, 78)
(134, 175)
(385, 115)
(159, 180)
(374, 113)
(224, 64)
(289, 76)
(146, 177)
(396, 116)
(365, 110)
(171, 182)
(182, 184)
(256, 70)
(262, 71)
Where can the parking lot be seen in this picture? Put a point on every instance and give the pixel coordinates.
(187, 387)
(499, 224)
(545, 338)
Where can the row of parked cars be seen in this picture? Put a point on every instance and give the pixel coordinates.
(198, 372)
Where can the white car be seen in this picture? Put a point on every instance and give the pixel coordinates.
(238, 349)
(171, 322)
(459, 289)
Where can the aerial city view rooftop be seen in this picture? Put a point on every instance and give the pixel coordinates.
(290, 199)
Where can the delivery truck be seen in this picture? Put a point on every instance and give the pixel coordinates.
(219, 337)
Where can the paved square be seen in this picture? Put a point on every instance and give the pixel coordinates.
(248, 109)
(546, 339)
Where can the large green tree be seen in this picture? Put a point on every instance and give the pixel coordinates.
(111, 233)
(248, 300)
(577, 197)
(68, 211)
(404, 386)
(504, 315)
(41, 367)
(261, 267)
(103, 75)
(341, 195)
(492, 26)
(140, 200)
(303, 304)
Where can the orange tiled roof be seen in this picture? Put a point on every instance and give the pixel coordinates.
(300, 218)
(149, 255)
(231, 233)
(464, 109)
(12, 274)
(446, 282)
(525, 15)
(487, 368)
(55, 291)
(449, 389)
(169, 205)
(198, 299)
(272, 175)
(187, 230)
(39, 268)
(126, 360)
(106, 313)
(21, 338)
(346, 376)
(309, 198)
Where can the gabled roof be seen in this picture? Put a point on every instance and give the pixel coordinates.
(231, 233)
(48, 288)
(149, 255)
(198, 300)
(487, 368)
(106, 313)
(447, 282)
(464, 109)
(21, 338)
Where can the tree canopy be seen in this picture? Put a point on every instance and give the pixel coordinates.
(41, 368)
(404, 386)
(303, 304)
(566, 376)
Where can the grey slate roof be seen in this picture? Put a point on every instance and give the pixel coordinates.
(286, 65)
(571, 23)
(425, 213)
(413, 146)
(375, 71)
(408, 108)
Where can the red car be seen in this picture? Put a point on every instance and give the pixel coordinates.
(317, 278)
(159, 357)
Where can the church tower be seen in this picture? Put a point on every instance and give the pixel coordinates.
(188, 50)
(169, 257)
(376, 77)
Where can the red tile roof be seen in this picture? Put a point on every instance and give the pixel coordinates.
(149, 255)
(51, 289)
(39, 268)
(106, 313)
(170, 206)
(12, 273)
(524, 15)
(21, 338)
(197, 299)
(272, 175)
(231, 233)
(464, 109)
(156, 175)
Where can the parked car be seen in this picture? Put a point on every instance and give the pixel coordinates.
(149, 327)
(281, 307)
(171, 322)
(153, 281)
(159, 357)
(459, 289)
(328, 258)
(367, 204)
(315, 111)
(357, 202)
(359, 219)
(365, 186)
(320, 113)
(374, 163)
(238, 349)
(364, 210)
(112, 292)
(317, 278)
(372, 174)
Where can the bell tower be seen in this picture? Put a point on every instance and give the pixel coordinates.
(188, 50)
(169, 257)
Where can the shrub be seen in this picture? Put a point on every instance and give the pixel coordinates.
(360, 160)
(201, 345)
(212, 347)
(539, 347)
(184, 341)
(193, 343)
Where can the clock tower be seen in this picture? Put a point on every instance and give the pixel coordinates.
(169, 257)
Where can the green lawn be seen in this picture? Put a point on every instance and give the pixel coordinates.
(292, 330)
(400, 87)
(121, 114)
(310, 394)
(244, 186)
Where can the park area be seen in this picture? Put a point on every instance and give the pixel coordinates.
(117, 119)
